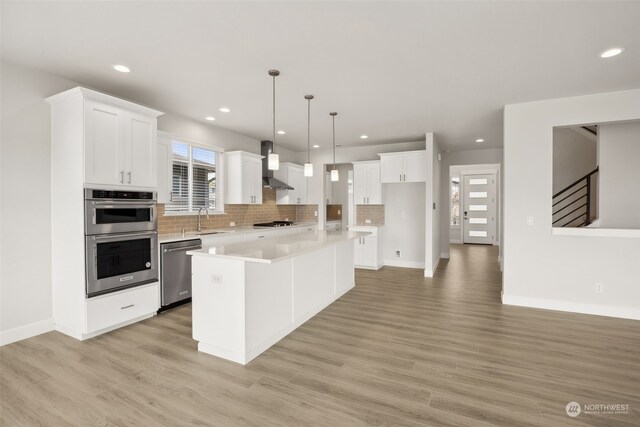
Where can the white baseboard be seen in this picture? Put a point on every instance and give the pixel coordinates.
(444, 255)
(573, 307)
(406, 264)
(26, 331)
(430, 273)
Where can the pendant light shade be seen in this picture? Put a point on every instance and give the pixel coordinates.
(334, 172)
(308, 167)
(273, 160)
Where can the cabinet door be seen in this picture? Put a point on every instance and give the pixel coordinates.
(248, 181)
(104, 144)
(164, 169)
(301, 187)
(328, 188)
(359, 185)
(391, 168)
(415, 167)
(140, 150)
(370, 251)
(357, 251)
(374, 186)
(256, 180)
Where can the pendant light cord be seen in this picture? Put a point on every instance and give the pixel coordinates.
(334, 140)
(308, 130)
(273, 149)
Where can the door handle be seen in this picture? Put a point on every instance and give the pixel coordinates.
(129, 179)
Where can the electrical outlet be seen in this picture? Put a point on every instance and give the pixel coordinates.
(286, 219)
(367, 221)
(315, 213)
(529, 220)
(339, 212)
(232, 224)
(599, 288)
(398, 254)
(216, 278)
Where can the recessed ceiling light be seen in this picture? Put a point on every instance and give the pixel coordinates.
(225, 110)
(316, 146)
(121, 68)
(611, 52)
(479, 140)
(364, 136)
(210, 118)
(281, 132)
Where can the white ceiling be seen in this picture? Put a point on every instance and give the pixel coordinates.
(392, 70)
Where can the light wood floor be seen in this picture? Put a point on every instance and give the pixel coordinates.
(399, 349)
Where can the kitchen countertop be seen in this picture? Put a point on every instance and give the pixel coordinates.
(277, 248)
(177, 237)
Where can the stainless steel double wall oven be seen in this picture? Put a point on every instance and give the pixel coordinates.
(121, 240)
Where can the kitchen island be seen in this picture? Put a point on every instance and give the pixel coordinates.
(249, 295)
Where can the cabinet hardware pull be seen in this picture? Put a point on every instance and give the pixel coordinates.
(400, 177)
(171, 196)
(121, 177)
(129, 179)
(127, 306)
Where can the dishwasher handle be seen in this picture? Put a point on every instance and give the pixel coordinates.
(186, 248)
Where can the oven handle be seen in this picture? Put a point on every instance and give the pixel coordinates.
(111, 205)
(113, 236)
(186, 248)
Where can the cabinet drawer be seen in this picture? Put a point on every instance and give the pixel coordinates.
(109, 310)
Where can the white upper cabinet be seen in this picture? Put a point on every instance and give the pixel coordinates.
(408, 166)
(293, 175)
(119, 138)
(367, 189)
(328, 188)
(243, 178)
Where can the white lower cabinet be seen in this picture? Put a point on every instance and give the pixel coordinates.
(367, 251)
(113, 309)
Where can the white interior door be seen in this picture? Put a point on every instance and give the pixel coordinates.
(479, 213)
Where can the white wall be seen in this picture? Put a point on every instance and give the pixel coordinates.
(574, 156)
(404, 217)
(25, 265)
(619, 152)
(543, 269)
(432, 215)
(467, 157)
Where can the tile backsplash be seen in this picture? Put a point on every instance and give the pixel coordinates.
(242, 215)
(374, 213)
(334, 212)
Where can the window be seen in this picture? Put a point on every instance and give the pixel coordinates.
(455, 201)
(196, 179)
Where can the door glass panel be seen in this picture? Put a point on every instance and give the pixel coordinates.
(477, 207)
(127, 256)
(478, 181)
(478, 194)
(477, 220)
(477, 233)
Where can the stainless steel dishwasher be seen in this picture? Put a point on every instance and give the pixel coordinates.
(175, 272)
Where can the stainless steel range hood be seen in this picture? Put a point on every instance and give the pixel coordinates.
(268, 181)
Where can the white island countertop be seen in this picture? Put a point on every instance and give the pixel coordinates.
(273, 249)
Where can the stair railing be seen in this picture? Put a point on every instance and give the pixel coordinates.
(573, 209)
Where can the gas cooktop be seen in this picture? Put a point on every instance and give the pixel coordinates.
(274, 224)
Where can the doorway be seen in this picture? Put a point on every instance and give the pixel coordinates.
(479, 209)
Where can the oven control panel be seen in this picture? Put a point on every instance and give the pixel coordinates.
(120, 195)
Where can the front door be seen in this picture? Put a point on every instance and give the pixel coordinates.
(479, 223)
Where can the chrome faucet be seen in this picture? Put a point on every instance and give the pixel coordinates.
(199, 218)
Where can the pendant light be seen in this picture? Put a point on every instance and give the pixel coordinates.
(334, 173)
(308, 167)
(273, 161)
